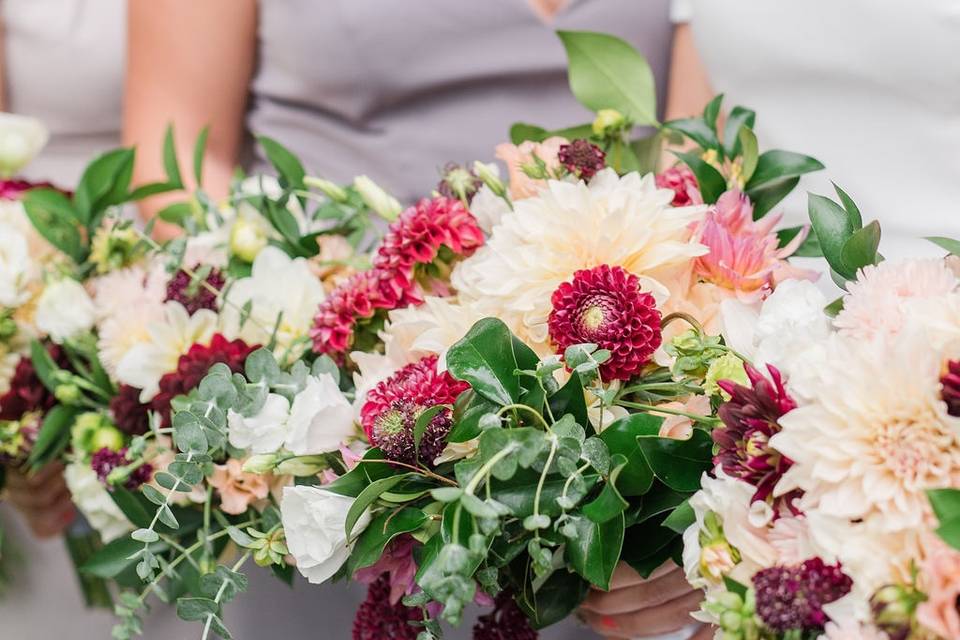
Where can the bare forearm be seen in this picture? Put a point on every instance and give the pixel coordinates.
(688, 89)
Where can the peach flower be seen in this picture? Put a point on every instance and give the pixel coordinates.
(238, 489)
(517, 156)
(681, 427)
(941, 583)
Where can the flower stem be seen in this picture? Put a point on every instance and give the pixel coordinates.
(675, 412)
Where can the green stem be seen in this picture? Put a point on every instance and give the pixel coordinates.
(543, 476)
(676, 412)
(484, 471)
(524, 407)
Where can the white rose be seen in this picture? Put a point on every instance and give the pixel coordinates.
(314, 521)
(15, 266)
(64, 310)
(321, 418)
(21, 138)
(94, 502)
(264, 432)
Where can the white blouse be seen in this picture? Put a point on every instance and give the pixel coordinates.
(869, 87)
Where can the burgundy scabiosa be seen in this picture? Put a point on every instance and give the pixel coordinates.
(683, 183)
(392, 407)
(505, 622)
(458, 182)
(951, 387)
(792, 598)
(14, 189)
(750, 418)
(194, 365)
(129, 414)
(605, 306)
(378, 618)
(582, 158)
(26, 392)
(106, 460)
(192, 294)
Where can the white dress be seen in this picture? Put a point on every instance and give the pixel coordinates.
(869, 87)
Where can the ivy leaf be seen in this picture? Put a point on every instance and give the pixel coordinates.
(679, 464)
(621, 438)
(485, 359)
(595, 549)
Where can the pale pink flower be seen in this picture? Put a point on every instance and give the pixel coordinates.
(941, 582)
(238, 489)
(851, 630)
(745, 256)
(681, 427)
(879, 302)
(518, 156)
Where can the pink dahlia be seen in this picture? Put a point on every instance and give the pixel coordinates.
(106, 460)
(605, 306)
(792, 598)
(745, 256)
(193, 295)
(194, 365)
(582, 158)
(750, 418)
(683, 183)
(392, 407)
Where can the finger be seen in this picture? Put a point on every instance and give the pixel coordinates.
(641, 596)
(52, 522)
(625, 575)
(669, 617)
(41, 498)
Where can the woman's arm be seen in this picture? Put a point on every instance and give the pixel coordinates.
(189, 63)
(688, 89)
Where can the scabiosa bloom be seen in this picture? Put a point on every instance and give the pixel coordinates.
(582, 158)
(505, 622)
(378, 618)
(683, 183)
(26, 392)
(605, 306)
(458, 182)
(106, 460)
(129, 414)
(194, 365)
(792, 598)
(193, 295)
(393, 406)
(951, 387)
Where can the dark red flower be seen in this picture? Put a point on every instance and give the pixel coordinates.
(130, 415)
(582, 158)
(27, 392)
(14, 189)
(750, 418)
(193, 295)
(194, 365)
(681, 180)
(393, 406)
(379, 619)
(505, 622)
(106, 460)
(792, 598)
(951, 387)
(606, 307)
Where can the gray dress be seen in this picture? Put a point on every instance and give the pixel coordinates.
(396, 89)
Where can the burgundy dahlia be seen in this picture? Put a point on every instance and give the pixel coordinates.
(106, 460)
(951, 387)
(505, 622)
(605, 306)
(582, 158)
(194, 365)
(379, 619)
(392, 407)
(792, 598)
(130, 415)
(750, 418)
(681, 180)
(193, 295)
(27, 392)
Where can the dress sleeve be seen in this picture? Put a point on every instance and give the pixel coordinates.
(681, 11)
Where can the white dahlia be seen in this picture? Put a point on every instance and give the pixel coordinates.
(624, 222)
(871, 433)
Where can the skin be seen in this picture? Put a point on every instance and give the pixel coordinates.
(43, 499)
(201, 80)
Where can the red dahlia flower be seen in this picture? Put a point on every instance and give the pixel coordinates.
(194, 365)
(792, 598)
(27, 392)
(392, 407)
(605, 306)
(750, 418)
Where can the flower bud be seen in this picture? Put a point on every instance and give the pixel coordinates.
(107, 437)
(8, 327)
(607, 122)
(893, 609)
(726, 367)
(333, 191)
(113, 248)
(263, 463)
(21, 138)
(491, 177)
(68, 394)
(302, 466)
(381, 202)
(247, 239)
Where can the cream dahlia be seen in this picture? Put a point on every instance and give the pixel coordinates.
(625, 222)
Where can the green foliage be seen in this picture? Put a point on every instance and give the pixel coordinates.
(946, 506)
(847, 245)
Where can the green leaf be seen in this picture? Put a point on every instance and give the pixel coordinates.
(680, 518)
(570, 400)
(54, 435)
(946, 506)
(621, 438)
(151, 189)
(223, 582)
(739, 117)
(556, 598)
(609, 504)
(423, 421)
(860, 249)
(607, 73)
(523, 131)
(484, 358)
(369, 495)
(381, 530)
(712, 111)
(809, 248)
(115, 558)
(170, 164)
(775, 165)
(138, 511)
(710, 181)
(647, 151)
(199, 149)
(849, 206)
(517, 493)
(697, 130)
(103, 183)
(196, 609)
(765, 198)
(679, 464)
(595, 549)
(356, 480)
(287, 165)
(177, 213)
(751, 149)
(947, 244)
(833, 226)
(54, 217)
(468, 409)
(735, 587)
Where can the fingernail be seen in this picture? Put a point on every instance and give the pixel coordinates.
(608, 622)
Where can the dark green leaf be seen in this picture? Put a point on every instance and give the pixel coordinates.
(595, 549)
(739, 117)
(367, 470)
(115, 557)
(680, 518)
(775, 165)
(765, 198)
(135, 507)
(378, 534)
(609, 504)
(679, 464)
(849, 206)
(621, 437)
(468, 409)
(712, 111)
(199, 149)
(697, 130)
(947, 244)
(170, 164)
(485, 359)
(556, 598)
(860, 249)
(287, 165)
(570, 400)
(55, 218)
(53, 437)
(710, 181)
(833, 226)
(368, 496)
(523, 131)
